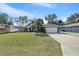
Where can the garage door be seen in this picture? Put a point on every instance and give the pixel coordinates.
(51, 30)
(75, 29)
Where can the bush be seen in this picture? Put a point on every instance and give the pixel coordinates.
(43, 30)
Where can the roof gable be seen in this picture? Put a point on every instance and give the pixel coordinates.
(50, 25)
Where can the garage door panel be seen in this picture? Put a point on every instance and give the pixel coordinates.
(51, 30)
(75, 29)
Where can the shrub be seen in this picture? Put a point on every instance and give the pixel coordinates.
(43, 30)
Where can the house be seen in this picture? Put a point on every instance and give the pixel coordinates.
(2, 29)
(14, 28)
(70, 27)
(10, 28)
(51, 28)
(31, 28)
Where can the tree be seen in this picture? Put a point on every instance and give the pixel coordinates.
(4, 20)
(51, 18)
(10, 22)
(22, 20)
(74, 18)
(71, 19)
(60, 22)
(77, 20)
(39, 22)
(32, 22)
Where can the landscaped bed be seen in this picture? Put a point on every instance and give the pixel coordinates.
(28, 44)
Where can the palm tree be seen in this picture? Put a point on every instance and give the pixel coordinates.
(51, 18)
(22, 20)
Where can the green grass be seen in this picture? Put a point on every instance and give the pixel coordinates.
(30, 44)
(72, 33)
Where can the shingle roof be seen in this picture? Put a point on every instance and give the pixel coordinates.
(50, 25)
(70, 25)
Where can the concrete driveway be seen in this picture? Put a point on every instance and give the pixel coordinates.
(69, 44)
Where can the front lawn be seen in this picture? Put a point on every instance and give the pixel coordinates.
(28, 44)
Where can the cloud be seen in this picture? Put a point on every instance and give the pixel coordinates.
(13, 11)
(45, 5)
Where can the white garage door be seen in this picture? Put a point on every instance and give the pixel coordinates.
(51, 30)
(75, 29)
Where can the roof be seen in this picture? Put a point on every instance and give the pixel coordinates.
(44, 25)
(50, 25)
(70, 25)
(15, 26)
(31, 25)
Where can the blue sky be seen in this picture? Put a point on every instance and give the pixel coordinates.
(36, 10)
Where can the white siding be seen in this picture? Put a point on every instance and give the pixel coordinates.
(68, 29)
(51, 30)
(71, 29)
(13, 29)
(75, 29)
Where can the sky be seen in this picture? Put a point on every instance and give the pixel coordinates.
(36, 10)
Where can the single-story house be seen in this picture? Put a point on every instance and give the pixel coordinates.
(14, 28)
(50, 28)
(2, 28)
(70, 27)
(10, 28)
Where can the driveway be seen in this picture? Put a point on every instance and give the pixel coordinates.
(69, 44)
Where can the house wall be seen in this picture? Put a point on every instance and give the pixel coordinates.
(51, 30)
(70, 29)
(13, 29)
(2, 28)
(75, 29)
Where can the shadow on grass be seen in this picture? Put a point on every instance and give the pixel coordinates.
(41, 34)
(6, 32)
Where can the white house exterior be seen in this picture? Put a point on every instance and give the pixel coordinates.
(32, 28)
(70, 27)
(10, 28)
(1, 27)
(14, 28)
(51, 28)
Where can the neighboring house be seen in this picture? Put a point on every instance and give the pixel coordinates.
(51, 28)
(70, 27)
(14, 28)
(2, 28)
(10, 28)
